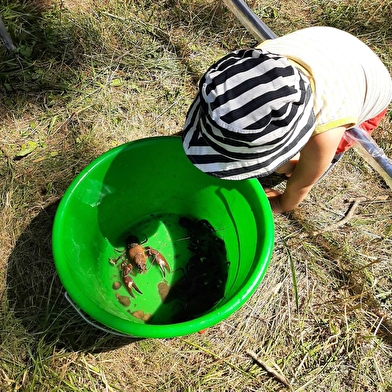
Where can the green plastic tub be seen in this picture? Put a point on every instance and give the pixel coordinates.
(144, 188)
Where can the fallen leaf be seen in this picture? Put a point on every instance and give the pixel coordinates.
(26, 149)
(116, 83)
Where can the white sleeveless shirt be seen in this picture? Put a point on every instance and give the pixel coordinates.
(350, 83)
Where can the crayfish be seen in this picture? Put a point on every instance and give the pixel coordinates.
(136, 256)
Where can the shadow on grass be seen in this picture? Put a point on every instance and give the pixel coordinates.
(49, 56)
(36, 296)
(57, 51)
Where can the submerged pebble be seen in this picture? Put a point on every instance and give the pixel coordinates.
(146, 316)
(139, 314)
(163, 290)
(125, 301)
(116, 285)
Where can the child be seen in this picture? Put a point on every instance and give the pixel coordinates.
(284, 107)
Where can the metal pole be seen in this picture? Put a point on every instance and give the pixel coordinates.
(250, 20)
(366, 146)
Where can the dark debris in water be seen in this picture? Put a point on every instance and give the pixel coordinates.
(204, 277)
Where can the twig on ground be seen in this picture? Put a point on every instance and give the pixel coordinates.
(350, 213)
(380, 198)
(280, 377)
(343, 221)
(69, 119)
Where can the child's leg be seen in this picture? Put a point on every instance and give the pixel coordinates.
(368, 126)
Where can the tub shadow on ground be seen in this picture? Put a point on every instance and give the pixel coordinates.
(37, 297)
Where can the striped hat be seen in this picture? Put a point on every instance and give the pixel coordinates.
(253, 112)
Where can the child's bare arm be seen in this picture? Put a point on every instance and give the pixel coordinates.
(314, 160)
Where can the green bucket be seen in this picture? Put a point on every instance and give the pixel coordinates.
(144, 188)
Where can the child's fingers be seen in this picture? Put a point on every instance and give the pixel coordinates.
(271, 192)
(274, 199)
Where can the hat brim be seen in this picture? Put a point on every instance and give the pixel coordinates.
(210, 158)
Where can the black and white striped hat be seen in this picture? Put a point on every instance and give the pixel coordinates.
(253, 112)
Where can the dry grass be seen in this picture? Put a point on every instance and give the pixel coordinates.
(90, 75)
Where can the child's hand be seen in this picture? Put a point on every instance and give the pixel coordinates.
(274, 199)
